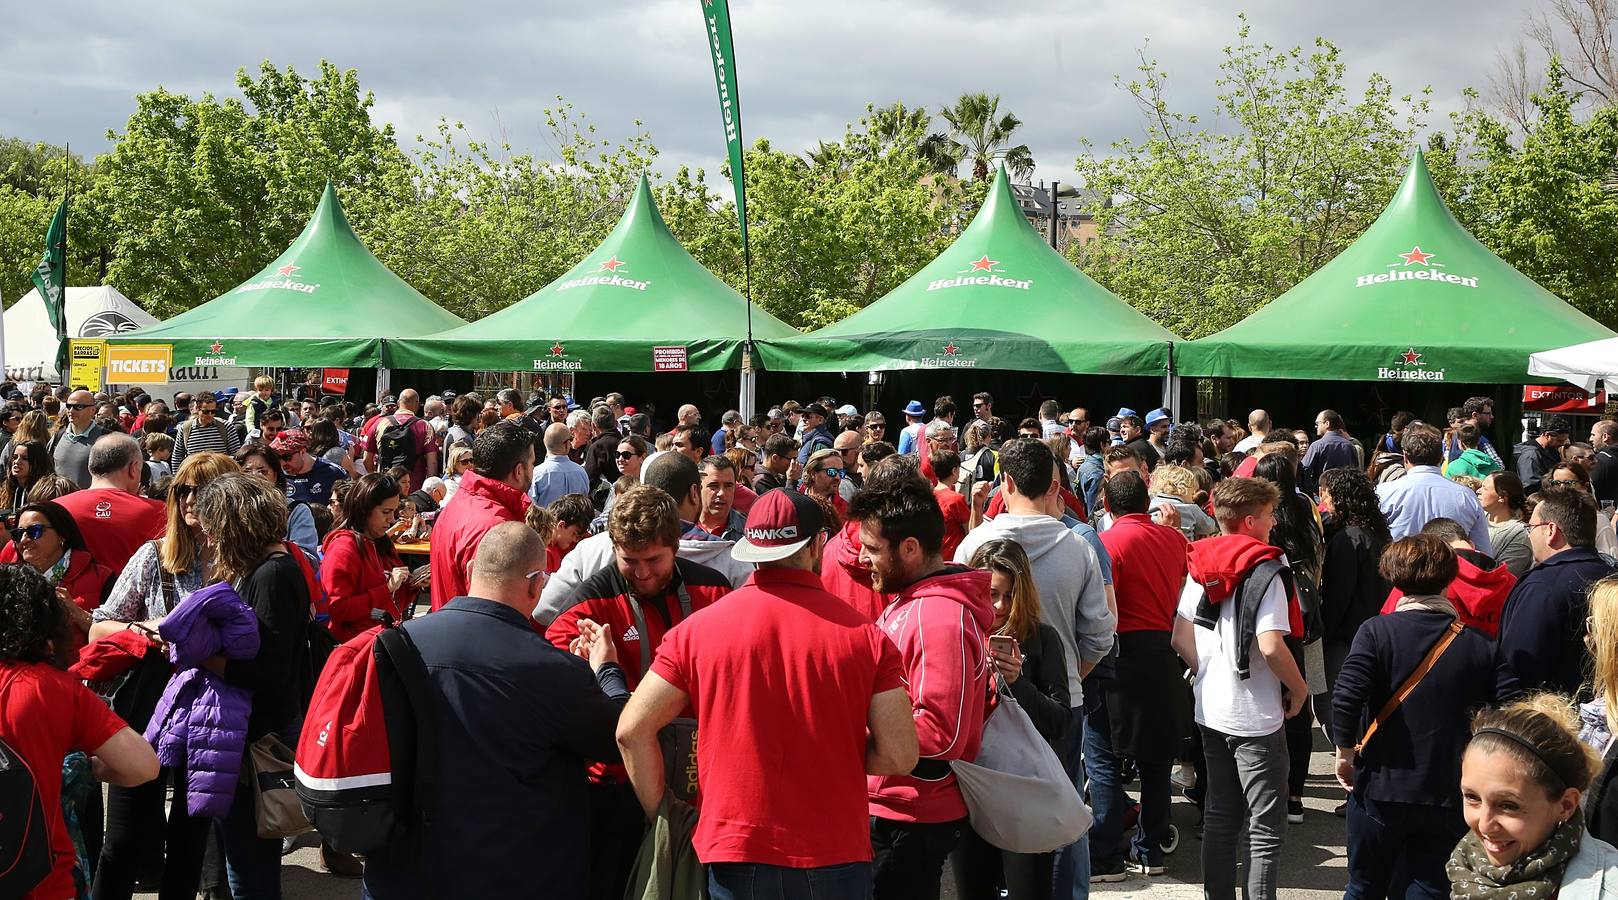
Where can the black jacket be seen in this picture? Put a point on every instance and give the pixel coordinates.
(1604, 475)
(1042, 689)
(1542, 627)
(601, 458)
(1601, 804)
(1534, 463)
(1415, 756)
(518, 721)
(1351, 588)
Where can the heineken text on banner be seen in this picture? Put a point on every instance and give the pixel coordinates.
(716, 16)
(50, 276)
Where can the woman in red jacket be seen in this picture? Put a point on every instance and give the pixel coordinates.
(47, 538)
(359, 570)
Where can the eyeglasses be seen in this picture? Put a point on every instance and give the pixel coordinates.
(80, 405)
(206, 411)
(835, 473)
(627, 454)
(182, 491)
(978, 404)
(31, 532)
(530, 576)
(1532, 525)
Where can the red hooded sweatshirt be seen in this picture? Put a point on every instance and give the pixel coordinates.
(938, 624)
(479, 505)
(843, 576)
(1219, 564)
(1479, 592)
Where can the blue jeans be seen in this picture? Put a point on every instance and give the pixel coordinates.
(252, 863)
(1104, 783)
(1070, 877)
(1399, 849)
(757, 881)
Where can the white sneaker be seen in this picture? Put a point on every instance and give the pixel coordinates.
(1184, 777)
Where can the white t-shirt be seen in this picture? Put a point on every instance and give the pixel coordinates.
(1249, 443)
(1226, 703)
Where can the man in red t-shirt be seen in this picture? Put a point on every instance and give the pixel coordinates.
(1146, 701)
(113, 520)
(786, 681)
(424, 447)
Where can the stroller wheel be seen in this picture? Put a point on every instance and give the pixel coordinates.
(1171, 842)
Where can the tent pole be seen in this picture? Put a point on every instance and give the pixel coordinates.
(1171, 386)
(383, 380)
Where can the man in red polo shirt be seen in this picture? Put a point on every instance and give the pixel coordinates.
(114, 520)
(786, 681)
(1147, 702)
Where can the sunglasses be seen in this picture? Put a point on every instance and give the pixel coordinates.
(182, 491)
(31, 532)
(207, 411)
(627, 454)
(80, 405)
(287, 457)
(835, 473)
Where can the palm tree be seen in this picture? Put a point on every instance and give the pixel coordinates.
(896, 123)
(978, 132)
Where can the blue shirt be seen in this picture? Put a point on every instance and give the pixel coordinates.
(314, 486)
(1423, 495)
(1090, 537)
(909, 436)
(557, 477)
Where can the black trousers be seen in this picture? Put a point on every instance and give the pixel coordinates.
(1300, 733)
(908, 857)
(982, 869)
(136, 833)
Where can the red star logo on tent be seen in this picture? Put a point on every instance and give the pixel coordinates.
(216, 346)
(557, 349)
(950, 349)
(287, 270)
(984, 264)
(1410, 356)
(612, 265)
(1416, 256)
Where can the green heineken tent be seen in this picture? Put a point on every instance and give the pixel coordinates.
(1414, 299)
(999, 298)
(638, 303)
(326, 301)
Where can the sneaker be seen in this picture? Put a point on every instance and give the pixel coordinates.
(1134, 864)
(1117, 872)
(1295, 812)
(1184, 777)
(1340, 810)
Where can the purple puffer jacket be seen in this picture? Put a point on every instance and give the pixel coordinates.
(201, 721)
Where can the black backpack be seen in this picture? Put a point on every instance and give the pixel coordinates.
(25, 840)
(395, 445)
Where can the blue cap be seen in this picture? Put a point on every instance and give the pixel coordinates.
(1155, 416)
(230, 391)
(571, 406)
(914, 408)
(1124, 412)
(218, 396)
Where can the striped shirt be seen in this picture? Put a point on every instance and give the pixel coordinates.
(195, 437)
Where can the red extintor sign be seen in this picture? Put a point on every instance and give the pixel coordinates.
(668, 359)
(334, 381)
(1561, 398)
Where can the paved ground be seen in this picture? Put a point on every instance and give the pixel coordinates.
(1313, 864)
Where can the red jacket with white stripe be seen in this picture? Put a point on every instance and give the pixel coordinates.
(939, 625)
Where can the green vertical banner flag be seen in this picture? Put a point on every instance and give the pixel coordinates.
(716, 15)
(50, 276)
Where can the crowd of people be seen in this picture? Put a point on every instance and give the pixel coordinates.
(749, 656)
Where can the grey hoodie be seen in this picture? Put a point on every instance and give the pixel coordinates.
(589, 556)
(1072, 599)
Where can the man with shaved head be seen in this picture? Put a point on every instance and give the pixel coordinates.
(499, 685)
(418, 452)
(558, 475)
(70, 447)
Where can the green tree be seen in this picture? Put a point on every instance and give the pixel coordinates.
(197, 195)
(978, 132)
(1211, 224)
(32, 180)
(483, 228)
(1539, 194)
(831, 230)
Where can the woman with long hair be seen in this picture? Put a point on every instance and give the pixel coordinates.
(457, 459)
(1403, 813)
(1297, 533)
(260, 459)
(47, 538)
(162, 573)
(35, 426)
(1027, 655)
(1352, 589)
(324, 443)
(46, 714)
(1600, 715)
(365, 580)
(30, 461)
(1523, 780)
(245, 519)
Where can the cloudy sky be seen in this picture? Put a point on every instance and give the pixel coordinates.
(806, 66)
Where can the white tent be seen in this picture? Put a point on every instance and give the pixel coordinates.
(1582, 364)
(92, 312)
